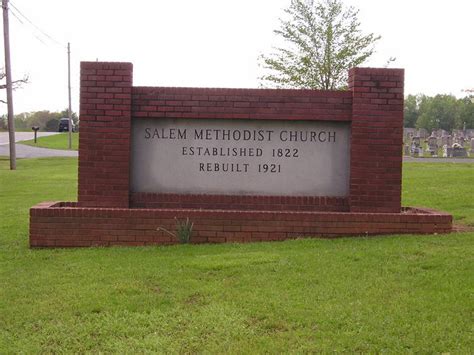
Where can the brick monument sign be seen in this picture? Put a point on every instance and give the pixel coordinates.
(241, 164)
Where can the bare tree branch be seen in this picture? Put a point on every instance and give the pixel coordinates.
(16, 84)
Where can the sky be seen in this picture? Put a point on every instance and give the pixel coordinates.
(216, 43)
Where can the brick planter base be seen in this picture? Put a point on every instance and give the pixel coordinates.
(63, 224)
(115, 210)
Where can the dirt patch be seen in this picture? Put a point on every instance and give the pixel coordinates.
(462, 228)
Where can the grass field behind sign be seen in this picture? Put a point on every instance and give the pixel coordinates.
(57, 141)
(381, 294)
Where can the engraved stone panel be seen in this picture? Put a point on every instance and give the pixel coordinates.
(235, 157)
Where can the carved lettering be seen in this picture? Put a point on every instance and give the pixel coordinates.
(213, 156)
(170, 133)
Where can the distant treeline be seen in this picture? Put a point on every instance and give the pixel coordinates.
(438, 112)
(45, 120)
(421, 111)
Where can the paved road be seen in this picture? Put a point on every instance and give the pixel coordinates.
(26, 151)
(23, 136)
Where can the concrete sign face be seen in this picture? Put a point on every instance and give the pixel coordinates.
(240, 157)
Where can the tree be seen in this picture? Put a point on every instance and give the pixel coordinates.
(437, 112)
(325, 41)
(15, 83)
(411, 110)
(441, 111)
(74, 117)
(3, 123)
(45, 120)
(466, 113)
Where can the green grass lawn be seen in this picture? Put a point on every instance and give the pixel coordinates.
(58, 141)
(382, 294)
(449, 187)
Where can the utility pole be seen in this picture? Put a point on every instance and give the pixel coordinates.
(69, 92)
(8, 74)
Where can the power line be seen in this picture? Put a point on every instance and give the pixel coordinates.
(35, 26)
(20, 21)
(32, 24)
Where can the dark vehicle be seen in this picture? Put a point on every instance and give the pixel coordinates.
(64, 125)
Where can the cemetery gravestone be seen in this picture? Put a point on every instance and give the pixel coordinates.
(416, 149)
(433, 145)
(458, 151)
(406, 149)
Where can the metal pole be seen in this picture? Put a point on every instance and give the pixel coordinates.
(8, 74)
(69, 92)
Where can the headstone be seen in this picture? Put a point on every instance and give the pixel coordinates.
(446, 151)
(416, 149)
(438, 133)
(457, 132)
(423, 133)
(472, 145)
(407, 150)
(459, 152)
(433, 145)
(439, 142)
(458, 139)
(449, 141)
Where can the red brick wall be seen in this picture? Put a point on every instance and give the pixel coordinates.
(374, 106)
(241, 104)
(376, 139)
(104, 139)
(55, 225)
(232, 202)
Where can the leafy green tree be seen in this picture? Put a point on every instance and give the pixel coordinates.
(51, 125)
(75, 118)
(46, 120)
(466, 113)
(21, 121)
(41, 118)
(411, 110)
(437, 112)
(3, 123)
(325, 40)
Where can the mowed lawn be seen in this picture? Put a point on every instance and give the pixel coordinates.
(449, 187)
(381, 294)
(57, 141)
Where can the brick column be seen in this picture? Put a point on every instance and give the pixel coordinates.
(376, 139)
(104, 139)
